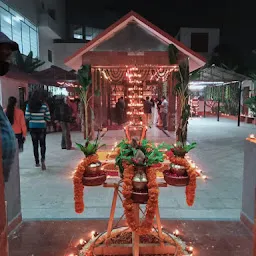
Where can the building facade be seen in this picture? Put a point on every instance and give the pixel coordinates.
(34, 25)
(201, 40)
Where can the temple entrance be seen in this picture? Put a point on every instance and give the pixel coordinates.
(125, 89)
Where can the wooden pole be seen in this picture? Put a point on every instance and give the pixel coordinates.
(101, 100)
(135, 236)
(112, 212)
(92, 103)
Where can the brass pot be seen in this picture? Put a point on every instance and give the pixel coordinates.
(139, 185)
(93, 168)
(179, 170)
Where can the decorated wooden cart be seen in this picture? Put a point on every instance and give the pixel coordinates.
(138, 189)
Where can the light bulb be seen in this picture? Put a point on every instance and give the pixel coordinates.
(176, 232)
(252, 136)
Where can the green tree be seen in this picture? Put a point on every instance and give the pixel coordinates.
(181, 90)
(27, 64)
(85, 81)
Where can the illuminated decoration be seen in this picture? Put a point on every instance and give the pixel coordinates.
(137, 74)
(133, 75)
(160, 74)
(194, 103)
(67, 84)
(197, 169)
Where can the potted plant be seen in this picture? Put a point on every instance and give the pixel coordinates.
(93, 173)
(140, 156)
(178, 175)
(180, 150)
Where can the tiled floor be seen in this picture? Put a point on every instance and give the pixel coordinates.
(219, 154)
(59, 238)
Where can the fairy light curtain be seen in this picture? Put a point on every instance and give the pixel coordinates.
(117, 75)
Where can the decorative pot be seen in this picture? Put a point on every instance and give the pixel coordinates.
(140, 183)
(181, 181)
(139, 197)
(178, 169)
(93, 168)
(94, 181)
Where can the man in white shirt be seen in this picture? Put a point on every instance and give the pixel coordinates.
(164, 111)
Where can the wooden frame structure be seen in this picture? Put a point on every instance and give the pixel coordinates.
(167, 245)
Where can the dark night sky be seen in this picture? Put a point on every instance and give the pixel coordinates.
(236, 19)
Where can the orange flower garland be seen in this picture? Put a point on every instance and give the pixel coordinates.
(78, 184)
(153, 191)
(191, 187)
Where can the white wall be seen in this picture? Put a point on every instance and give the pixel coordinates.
(10, 87)
(64, 50)
(45, 44)
(214, 37)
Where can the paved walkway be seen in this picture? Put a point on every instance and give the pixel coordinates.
(49, 195)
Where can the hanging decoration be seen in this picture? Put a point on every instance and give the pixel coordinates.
(160, 74)
(114, 75)
(136, 75)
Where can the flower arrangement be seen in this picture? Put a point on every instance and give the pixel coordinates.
(180, 150)
(136, 162)
(88, 172)
(91, 147)
(139, 153)
(181, 173)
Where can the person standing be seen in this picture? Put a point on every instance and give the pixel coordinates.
(17, 120)
(147, 111)
(164, 111)
(63, 114)
(38, 114)
(7, 142)
(120, 106)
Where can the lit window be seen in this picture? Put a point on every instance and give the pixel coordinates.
(78, 32)
(19, 29)
(88, 33)
(25, 38)
(6, 22)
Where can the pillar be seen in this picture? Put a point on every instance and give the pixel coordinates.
(92, 102)
(100, 100)
(3, 222)
(172, 104)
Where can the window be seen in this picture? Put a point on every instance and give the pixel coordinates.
(199, 42)
(78, 33)
(50, 55)
(88, 33)
(19, 29)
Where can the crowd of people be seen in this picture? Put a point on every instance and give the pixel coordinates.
(37, 115)
(155, 111)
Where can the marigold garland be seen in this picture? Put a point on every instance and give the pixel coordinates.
(78, 183)
(146, 226)
(191, 187)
